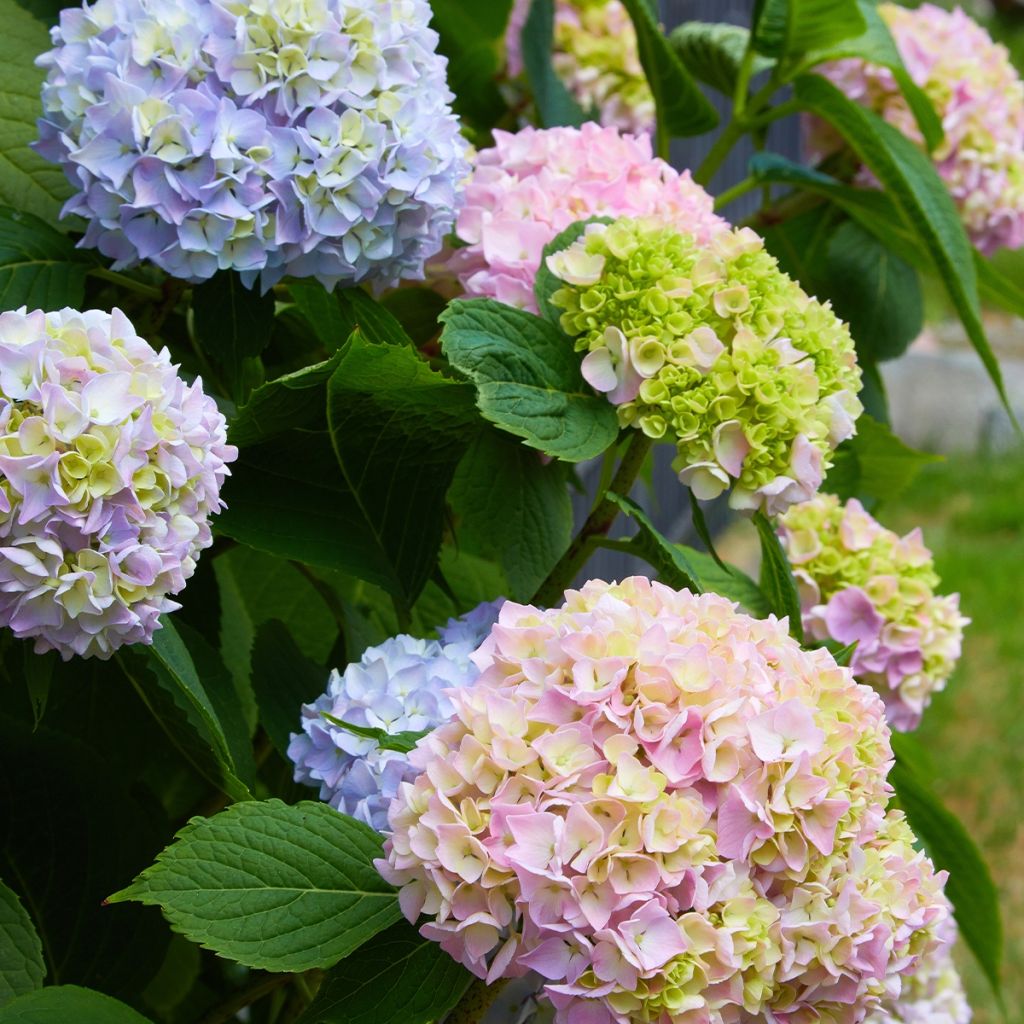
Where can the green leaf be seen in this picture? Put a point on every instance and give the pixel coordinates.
(21, 953)
(510, 507)
(784, 28)
(681, 106)
(843, 654)
(713, 53)
(874, 291)
(701, 526)
(777, 582)
(283, 680)
(71, 832)
(874, 463)
(877, 46)
(232, 322)
(256, 587)
(403, 742)
(417, 310)
(333, 316)
(668, 559)
(38, 669)
(272, 886)
(470, 37)
(919, 193)
(555, 106)
(68, 1004)
(996, 288)
(367, 497)
(800, 242)
(729, 582)
(284, 404)
(39, 267)
(398, 977)
(172, 664)
(970, 887)
(545, 284)
(27, 181)
(528, 379)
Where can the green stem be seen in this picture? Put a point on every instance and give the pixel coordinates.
(731, 134)
(263, 986)
(745, 186)
(478, 999)
(739, 96)
(129, 283)
(598, 523)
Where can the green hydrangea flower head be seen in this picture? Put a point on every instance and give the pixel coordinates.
(715, 348)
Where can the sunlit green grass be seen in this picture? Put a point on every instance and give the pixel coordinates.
(973, 516)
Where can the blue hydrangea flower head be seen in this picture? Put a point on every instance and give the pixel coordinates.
(397, 686)
(272, 137)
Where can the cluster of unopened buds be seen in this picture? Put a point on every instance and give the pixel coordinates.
(710, 345)
(110, 467)
(862, 584)
(670, 812)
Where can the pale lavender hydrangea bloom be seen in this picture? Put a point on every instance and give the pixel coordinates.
(272, 137)
(110, 466)
(397, 686)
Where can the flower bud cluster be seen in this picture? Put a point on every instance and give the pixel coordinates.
(708, 344)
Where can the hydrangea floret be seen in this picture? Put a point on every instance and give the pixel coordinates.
(979, 97)
(398, 686)
(932, 994)
(669, 811)
(110, 467)
(861, 583)
(596, 57)
(531, 185)
(303, 137)
(708, 344)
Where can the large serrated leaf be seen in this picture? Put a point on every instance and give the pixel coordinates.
(970, 887)
(921, 196)
(874, 464)
(39, 267)
(68, 1004)
(284, 888)
(333, 316)
(398, 977)
(366, 493)
(511, 507)
(27, 181)
(528, 379)
(713, 52)
(681, 106)
(784, 28)
(173, 665)
(21, 953)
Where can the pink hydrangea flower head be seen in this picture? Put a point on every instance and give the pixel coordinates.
(860, 582)
(110, 467)
(931, 994)
(596, 56)
(670, 812)
(533, 184)
(980, 100)
(708, 344)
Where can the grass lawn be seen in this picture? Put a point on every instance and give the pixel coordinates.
(973, 516)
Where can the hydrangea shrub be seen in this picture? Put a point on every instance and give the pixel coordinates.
(337, 293)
